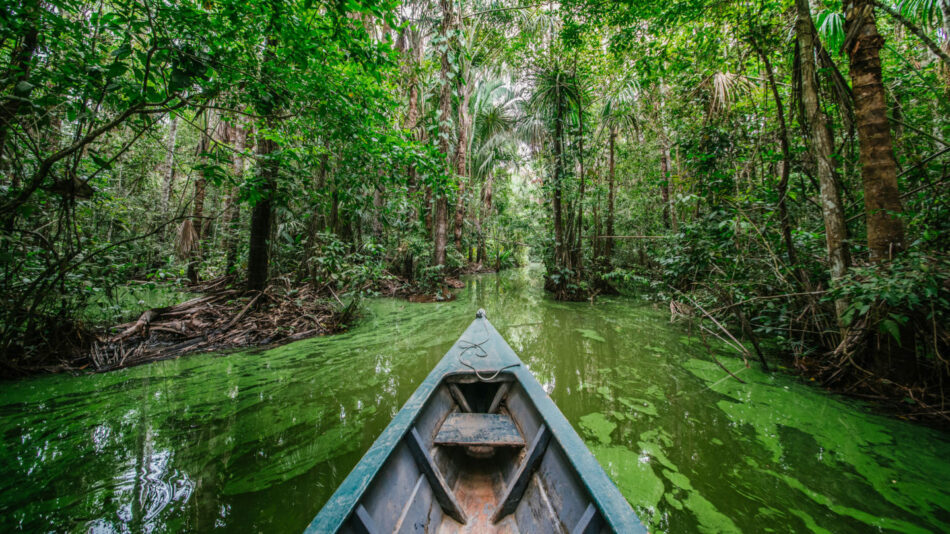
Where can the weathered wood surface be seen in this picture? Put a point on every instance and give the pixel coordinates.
(493, 430)
(499, 397)
(517, 486)
(440, 488)
(364, 523)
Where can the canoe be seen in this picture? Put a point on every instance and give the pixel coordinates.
(479, 447)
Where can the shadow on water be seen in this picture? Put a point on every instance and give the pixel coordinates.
(260, 440)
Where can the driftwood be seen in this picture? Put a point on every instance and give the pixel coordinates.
(221, 318)
(144, 320)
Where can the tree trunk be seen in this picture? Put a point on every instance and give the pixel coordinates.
(441, 229)
(878, 167)
(608, 244)
(413, 48)
(822, 148)
(268, 167)
(479, 252)
(484, 214)
(461, 157)
(577, 254)
(784, 220)
(428, 208)
(261, 215)
(378, 204)
(237, 138)
(198, 206)
(665, 185)
(197, 220)
(445, 130)
(560, 261)
(169, 168)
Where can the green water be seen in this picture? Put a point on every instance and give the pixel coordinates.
(258, 441)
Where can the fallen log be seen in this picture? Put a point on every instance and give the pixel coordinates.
(144, 320)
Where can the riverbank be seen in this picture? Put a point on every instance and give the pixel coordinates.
(224, 317)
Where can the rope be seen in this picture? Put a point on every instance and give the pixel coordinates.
(480, 353)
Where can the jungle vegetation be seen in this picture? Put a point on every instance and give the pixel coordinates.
(775, 169)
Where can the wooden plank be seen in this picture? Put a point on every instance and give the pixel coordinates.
(492, 430)
(441, 490)
(518, 484)
(472, 379)
(499, 396)
(535, 513)
(589, 523)
(459, 398)
(387, 498)
(568, 496)
(415, 518)
(363, 522)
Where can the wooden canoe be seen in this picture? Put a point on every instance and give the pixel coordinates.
(479, 447)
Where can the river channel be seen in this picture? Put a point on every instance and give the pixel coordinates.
(257, 441)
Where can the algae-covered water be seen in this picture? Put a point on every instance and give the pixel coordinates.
(257, 441)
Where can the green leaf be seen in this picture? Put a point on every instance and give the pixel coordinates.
(891, 328)
(100, 161)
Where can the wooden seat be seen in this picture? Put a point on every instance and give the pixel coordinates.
(479, 429)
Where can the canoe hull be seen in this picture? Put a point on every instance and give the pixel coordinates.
(478, 479)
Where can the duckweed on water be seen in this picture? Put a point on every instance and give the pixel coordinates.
(597, 426)
(258, 441)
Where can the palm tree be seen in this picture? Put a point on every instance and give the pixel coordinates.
(555, 95)
(618, 113)
(493, 142)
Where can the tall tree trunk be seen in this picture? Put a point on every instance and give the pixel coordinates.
(197, 220)
(577, 253)
(428, 208)
(236, 136)
(784, 220)
(882, 202)
(461, 157)
(484, 214)
(597, 230)
(445, 131)
(670, 191)
(412, 46)
(608, 244)
(560, 260)
(334, 219)
(441, 229)
(665, 178)
(665, 165)
(378, 204)
(478, 235)
(268, 167)
(261, 215)
(168, 183)
(232, 213)
(822, 148)
(198, 206)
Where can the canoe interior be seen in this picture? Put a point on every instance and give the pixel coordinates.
(519, 486)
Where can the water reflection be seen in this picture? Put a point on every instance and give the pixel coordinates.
(257, 441)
